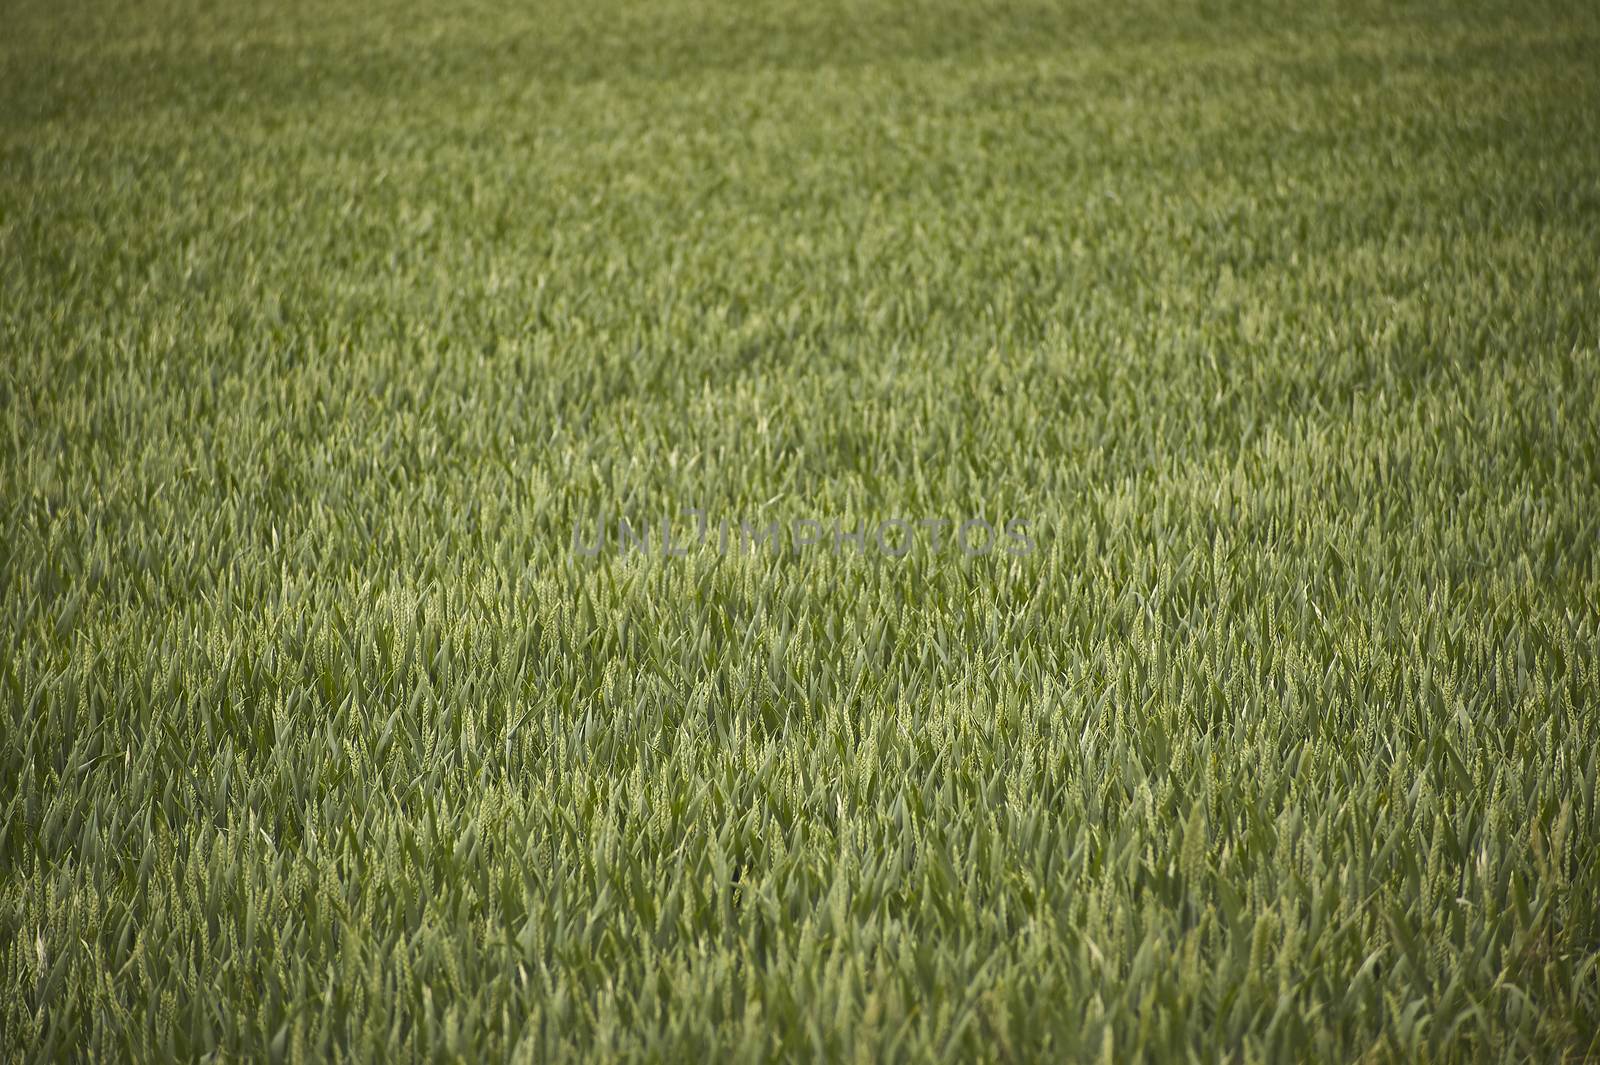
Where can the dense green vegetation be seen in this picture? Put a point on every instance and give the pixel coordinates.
(322, 330)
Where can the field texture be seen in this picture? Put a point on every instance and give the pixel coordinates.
(323, 331)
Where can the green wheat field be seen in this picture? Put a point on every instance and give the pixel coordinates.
(331, 336)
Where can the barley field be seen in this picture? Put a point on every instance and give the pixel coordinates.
(849, 531)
